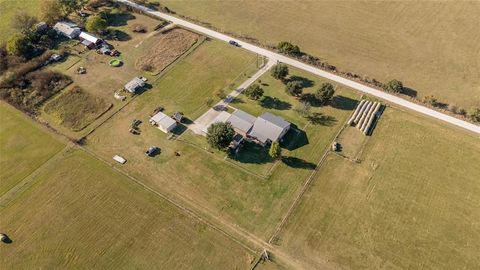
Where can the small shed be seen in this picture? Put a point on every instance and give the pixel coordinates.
(134, 85)
(177, 117)
(90, 37)
(163, 122)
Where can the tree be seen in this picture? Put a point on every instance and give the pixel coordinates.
(395, 86)
(288, 48)
(294, 88)
(254, 92)
(325, 93)
(95, 24)
(474, 114)
(432, 100)
(220, 135)
(275, 151)
(280, 71)
(18, 44)
(23, 22)
(50, 11)
(69, 6)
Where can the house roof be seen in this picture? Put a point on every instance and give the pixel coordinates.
(69, 29)
(268, 127)
(87, 42)
(89, 37)
(135, 83)
(241, 120)
(163, 120)
(221, 118)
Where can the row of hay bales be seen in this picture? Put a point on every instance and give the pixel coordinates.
(364, 115)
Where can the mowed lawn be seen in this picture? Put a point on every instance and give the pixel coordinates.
(8, 10)
(432, 46)
(205, 180)
(84, 215)
(412, 203)
(24, 147)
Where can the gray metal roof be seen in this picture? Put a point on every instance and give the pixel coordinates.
(268, 127)
(134, 84)
(241, 120)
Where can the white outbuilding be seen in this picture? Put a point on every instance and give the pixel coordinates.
(163, 122)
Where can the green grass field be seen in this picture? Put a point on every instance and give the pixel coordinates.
(8, 9)
(23, 147)
(82, 214)
(412, 203)
(241, 197)
(430, 46)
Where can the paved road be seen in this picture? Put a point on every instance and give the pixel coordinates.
(201, 122)
(278, 57)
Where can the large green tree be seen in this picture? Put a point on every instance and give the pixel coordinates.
(288, 48)
(325, 93)
(219, 135)
(70, 6)
(254, 92)
(95, 24)
(279, 71)
(294, 88)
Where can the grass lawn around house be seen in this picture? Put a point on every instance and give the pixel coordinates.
(8, 10)
(412, 202)
(24, 146)
(431, 46)
(241, 197)
(82, 214)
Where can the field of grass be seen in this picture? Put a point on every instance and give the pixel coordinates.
(23, 147)
(431, 46)
(75, 108)
(412, 203)
(82, 214)
(241, 197)
(8, 9)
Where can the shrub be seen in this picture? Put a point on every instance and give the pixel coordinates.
(431, 100)
(294, 88)
(303, 109)
(394, 86)
(279, 71)
(254, 92)
(139, 28)
(220, 135)
(220, 94)
(209, 102)
(474, 114)
(19, 44)
(288, 48)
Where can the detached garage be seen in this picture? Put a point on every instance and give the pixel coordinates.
(163, 122)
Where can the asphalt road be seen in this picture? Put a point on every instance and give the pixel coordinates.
(284, 59)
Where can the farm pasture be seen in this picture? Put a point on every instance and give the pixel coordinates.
(412, 201)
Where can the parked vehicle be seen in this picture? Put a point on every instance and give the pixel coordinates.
(234, 43)
(152, 151)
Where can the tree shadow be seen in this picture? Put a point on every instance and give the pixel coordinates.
(253, 153)
(120, 19)
(409, 92)
(265, 84)
(295, 162)
(294, 139)
(274, 103)
(311, 99)
(304, 81)
(237, 100)
(317, 118)
(343, 103)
